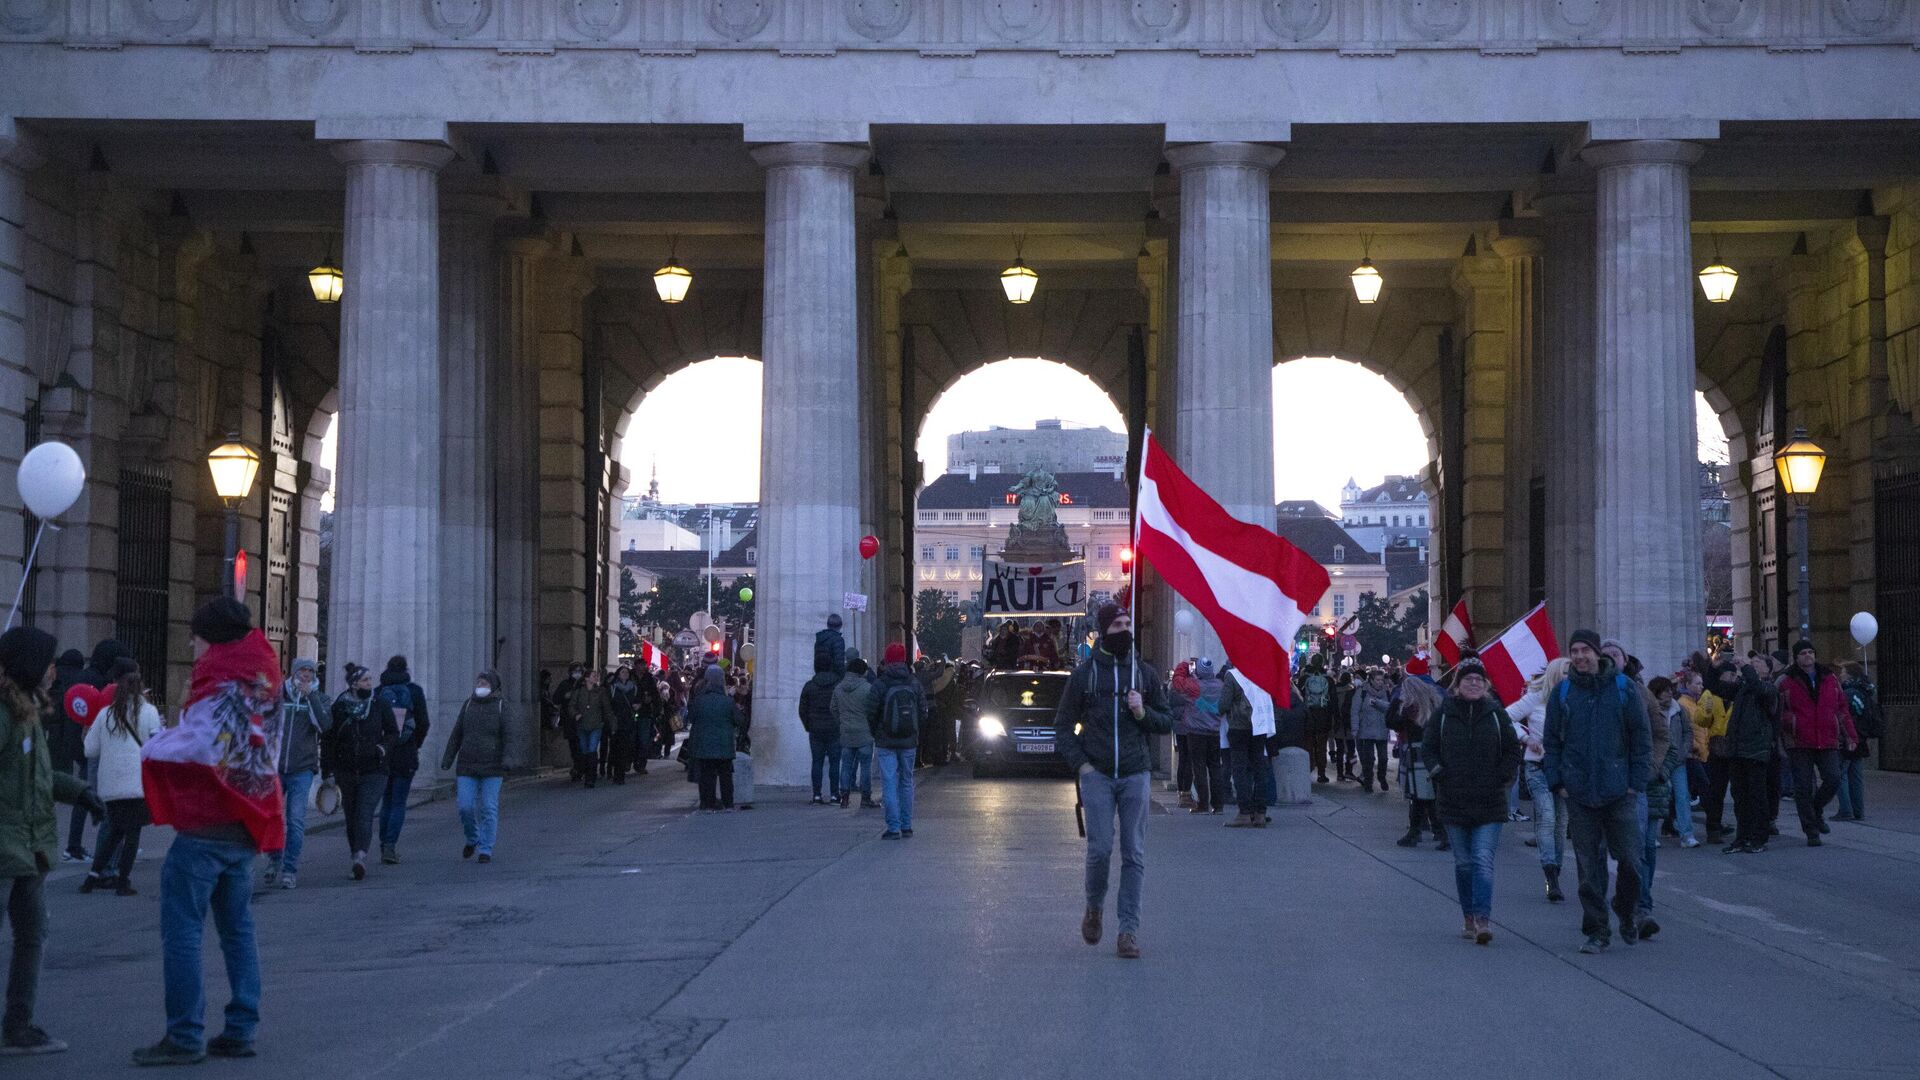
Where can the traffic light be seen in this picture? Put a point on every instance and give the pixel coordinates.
(1126, 558)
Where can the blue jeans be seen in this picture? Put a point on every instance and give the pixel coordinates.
(393, 810)
(856, 770)
(1853, 789)
(479, 800)
(1649, 855)
(826, 754)
(896, 785)
(1682, 803)
(1549, 817)
(1126, 799)
(198, 874)
(1473, 847)
(588, 743)
(296, 786)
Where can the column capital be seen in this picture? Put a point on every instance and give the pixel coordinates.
(1642, 152)
(1214, 155)
(826, 154)
(20, 149)
(418, 155)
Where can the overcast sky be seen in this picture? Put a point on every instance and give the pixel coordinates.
(1332, 420)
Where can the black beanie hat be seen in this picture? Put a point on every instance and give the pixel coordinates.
(25, 654)
(1803, 645)
(1469, 665)
(221, 621)
(1592, 639)
(1108, 612)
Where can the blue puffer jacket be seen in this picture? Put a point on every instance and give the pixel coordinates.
(1598, 745)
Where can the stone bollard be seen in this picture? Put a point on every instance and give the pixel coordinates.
(1295, 780)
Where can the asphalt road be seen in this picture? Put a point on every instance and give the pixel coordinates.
(619, 935)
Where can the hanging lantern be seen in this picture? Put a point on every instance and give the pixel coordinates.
(1366, 279)
(326, 280)
(1019, 280)
(1799, 465)
(1366, 282)
(672, 280)
(1718, 279)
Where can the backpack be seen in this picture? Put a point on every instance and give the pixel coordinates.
(400, 699)
(1863, 703)
(1314, 690)
(900, 712)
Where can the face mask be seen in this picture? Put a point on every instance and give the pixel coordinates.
(362, 693)
(1118, 642)
(482, 691)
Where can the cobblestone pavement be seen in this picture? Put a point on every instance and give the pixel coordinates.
(619, 936)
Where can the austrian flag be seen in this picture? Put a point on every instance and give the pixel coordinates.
(1520, 653)
(1255, 589)
(1455, 634)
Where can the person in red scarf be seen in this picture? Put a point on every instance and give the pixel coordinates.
(214, 777)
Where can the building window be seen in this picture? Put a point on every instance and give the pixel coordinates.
(1339, 604)
(926, 552)
(1396, 521)
(953, 554)
(1340, 553)
(1103, 551)
(753, 556)
(977, 551)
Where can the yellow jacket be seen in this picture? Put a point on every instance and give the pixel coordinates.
(1709, 715)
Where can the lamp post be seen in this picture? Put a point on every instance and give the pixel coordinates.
(234, 464)
(1798, 465)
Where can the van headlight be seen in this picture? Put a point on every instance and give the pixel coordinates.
(992, 728)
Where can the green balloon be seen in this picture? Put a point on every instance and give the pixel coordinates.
(746, 596)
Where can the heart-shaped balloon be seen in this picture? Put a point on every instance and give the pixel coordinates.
(84, 704)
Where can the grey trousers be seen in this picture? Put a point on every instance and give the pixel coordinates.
(1106, 800)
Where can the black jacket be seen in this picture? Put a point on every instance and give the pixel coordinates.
(405, 760)
(892, 676)
(1472, 754)
(66, 740)
(360, 740)
(1093, 725)
(816, 703)
(1753, 724)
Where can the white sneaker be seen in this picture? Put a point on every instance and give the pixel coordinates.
(1689, 842)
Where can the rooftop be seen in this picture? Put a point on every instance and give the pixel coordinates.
(1318, 537)
(959, 491)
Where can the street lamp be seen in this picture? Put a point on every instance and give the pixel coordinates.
(234, 464)
(1718, 279)
(1798, 466)
(1365, 277)
(672, 280)
(1019, 280)
(326, 280)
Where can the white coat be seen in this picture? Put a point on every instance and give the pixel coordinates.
(118, 752)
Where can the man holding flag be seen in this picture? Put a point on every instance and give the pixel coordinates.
(1112, 707)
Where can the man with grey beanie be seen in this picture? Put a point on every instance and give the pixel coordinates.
(304, 714)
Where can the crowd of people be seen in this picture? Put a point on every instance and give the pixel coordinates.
(1609, 759)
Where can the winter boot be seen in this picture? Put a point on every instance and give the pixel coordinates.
(1412, 839)
(1554, 895)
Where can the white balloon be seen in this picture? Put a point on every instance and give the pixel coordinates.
(51, 477)
(1865, 627)
(1183, 621)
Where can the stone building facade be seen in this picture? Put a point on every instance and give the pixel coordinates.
(1192, 179)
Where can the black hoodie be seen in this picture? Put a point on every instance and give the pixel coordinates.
(99, 671)
(66, 743)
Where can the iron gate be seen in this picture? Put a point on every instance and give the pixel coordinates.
(1896, 543)
(140, 592)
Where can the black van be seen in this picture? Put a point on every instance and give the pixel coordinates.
(1011, 725)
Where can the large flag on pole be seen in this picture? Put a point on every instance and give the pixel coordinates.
(1455, 634)
(1521, 652)
(1255, 589)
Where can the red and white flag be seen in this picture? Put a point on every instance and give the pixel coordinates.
(219, 765)
(1455, 634)
(1252, 586)
(652, 658)
(1521, 652)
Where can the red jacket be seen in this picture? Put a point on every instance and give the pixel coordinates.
(1815, 721)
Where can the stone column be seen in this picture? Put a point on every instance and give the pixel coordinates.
(810, 433)
(468, 356)
(1224, 331)
(386, 569)
(19, 155)
(1564, 399)
(516, 470)
(1645, 465)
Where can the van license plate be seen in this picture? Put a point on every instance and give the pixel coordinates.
(1036, 748)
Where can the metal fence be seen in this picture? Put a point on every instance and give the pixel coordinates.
(1896, 536)
(146, 549)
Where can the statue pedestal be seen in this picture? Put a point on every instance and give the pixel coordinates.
(1043, 545)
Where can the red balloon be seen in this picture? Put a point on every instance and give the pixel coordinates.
(84, 704)
(869, 546)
